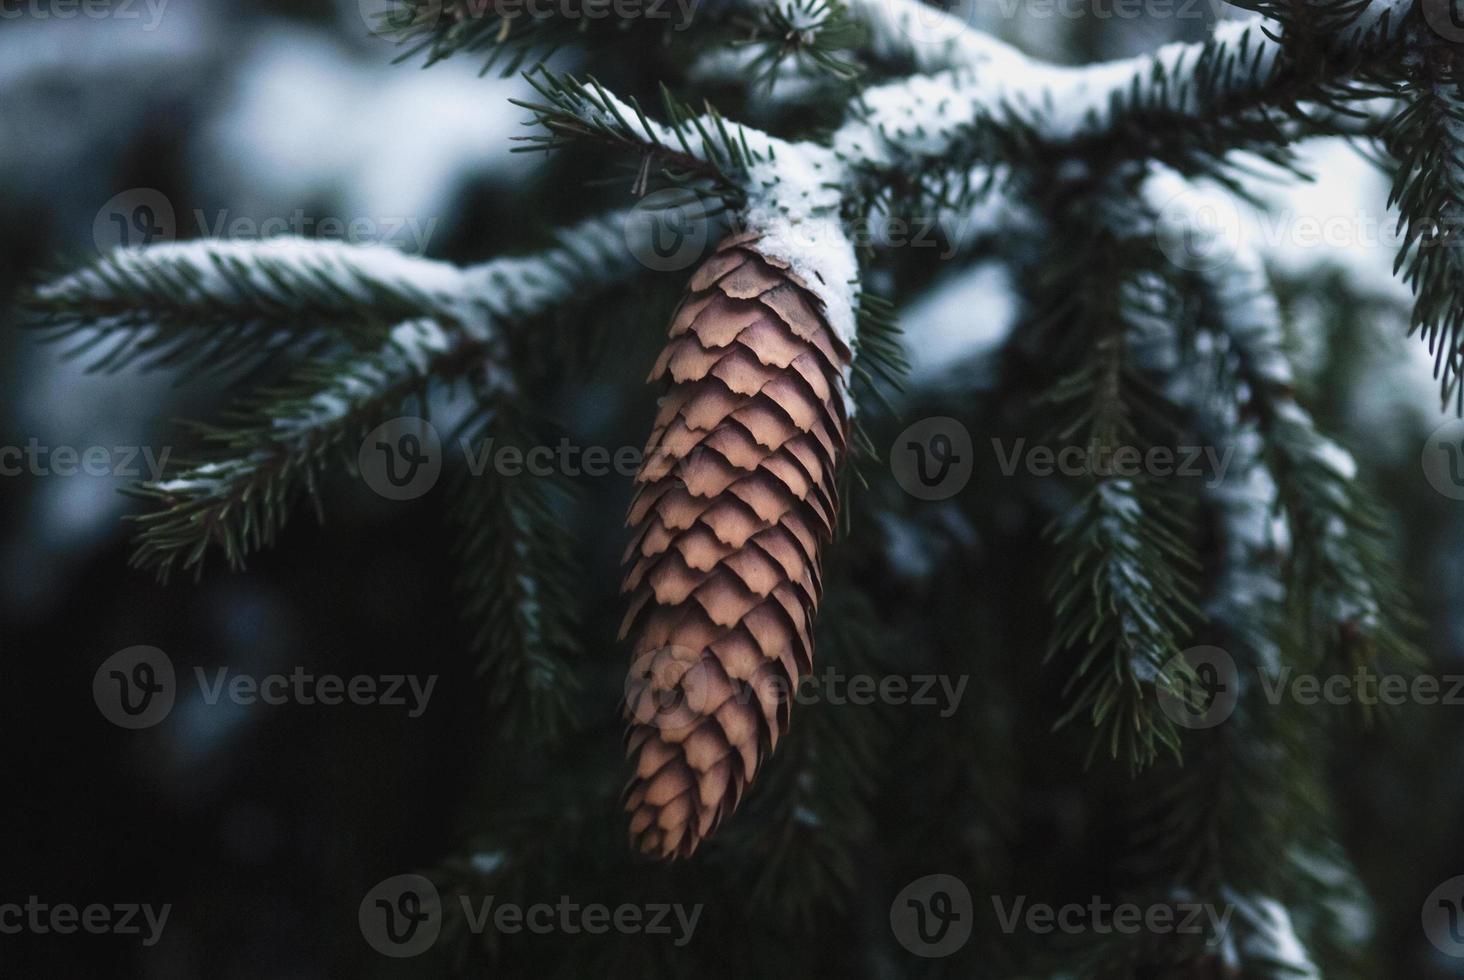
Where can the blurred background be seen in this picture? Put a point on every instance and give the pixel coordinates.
(263, 826)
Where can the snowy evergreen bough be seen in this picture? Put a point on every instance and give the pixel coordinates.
(862, 114)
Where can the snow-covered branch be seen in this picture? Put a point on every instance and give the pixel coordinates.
(217, 302)
(1336, 544)
(1240, 85)
(401, 324)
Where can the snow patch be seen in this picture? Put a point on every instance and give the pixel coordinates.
(957, 326)
(926, 113)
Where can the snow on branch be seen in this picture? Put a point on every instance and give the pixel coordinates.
(213, 303)
(206, 302)
(932, 40)
(979, 103)
(927, 113)
(1269, 938)
(1342, 586)
(1240, 88)
(790, 193)
(592, 255)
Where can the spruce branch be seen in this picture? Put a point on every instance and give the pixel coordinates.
(204, 305)
(1427, 139)
(509, 36)
(688, 147)
(879, 353)
(804, 37)
(942, 138)
(274, 450)
(1346, 599)
(1246, 822)
(585, 259)
(879, 369)
(1122, 586)
(1255, 85)
(1346, 595)
(213, 305)
(1122, 590)
(979, 127)
(1246, 825)
(517, 579)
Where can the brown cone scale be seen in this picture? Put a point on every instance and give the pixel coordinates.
(735, 498)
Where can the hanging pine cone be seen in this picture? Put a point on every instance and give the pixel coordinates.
(736, 495)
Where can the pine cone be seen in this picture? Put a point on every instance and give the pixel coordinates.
(736, 495)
